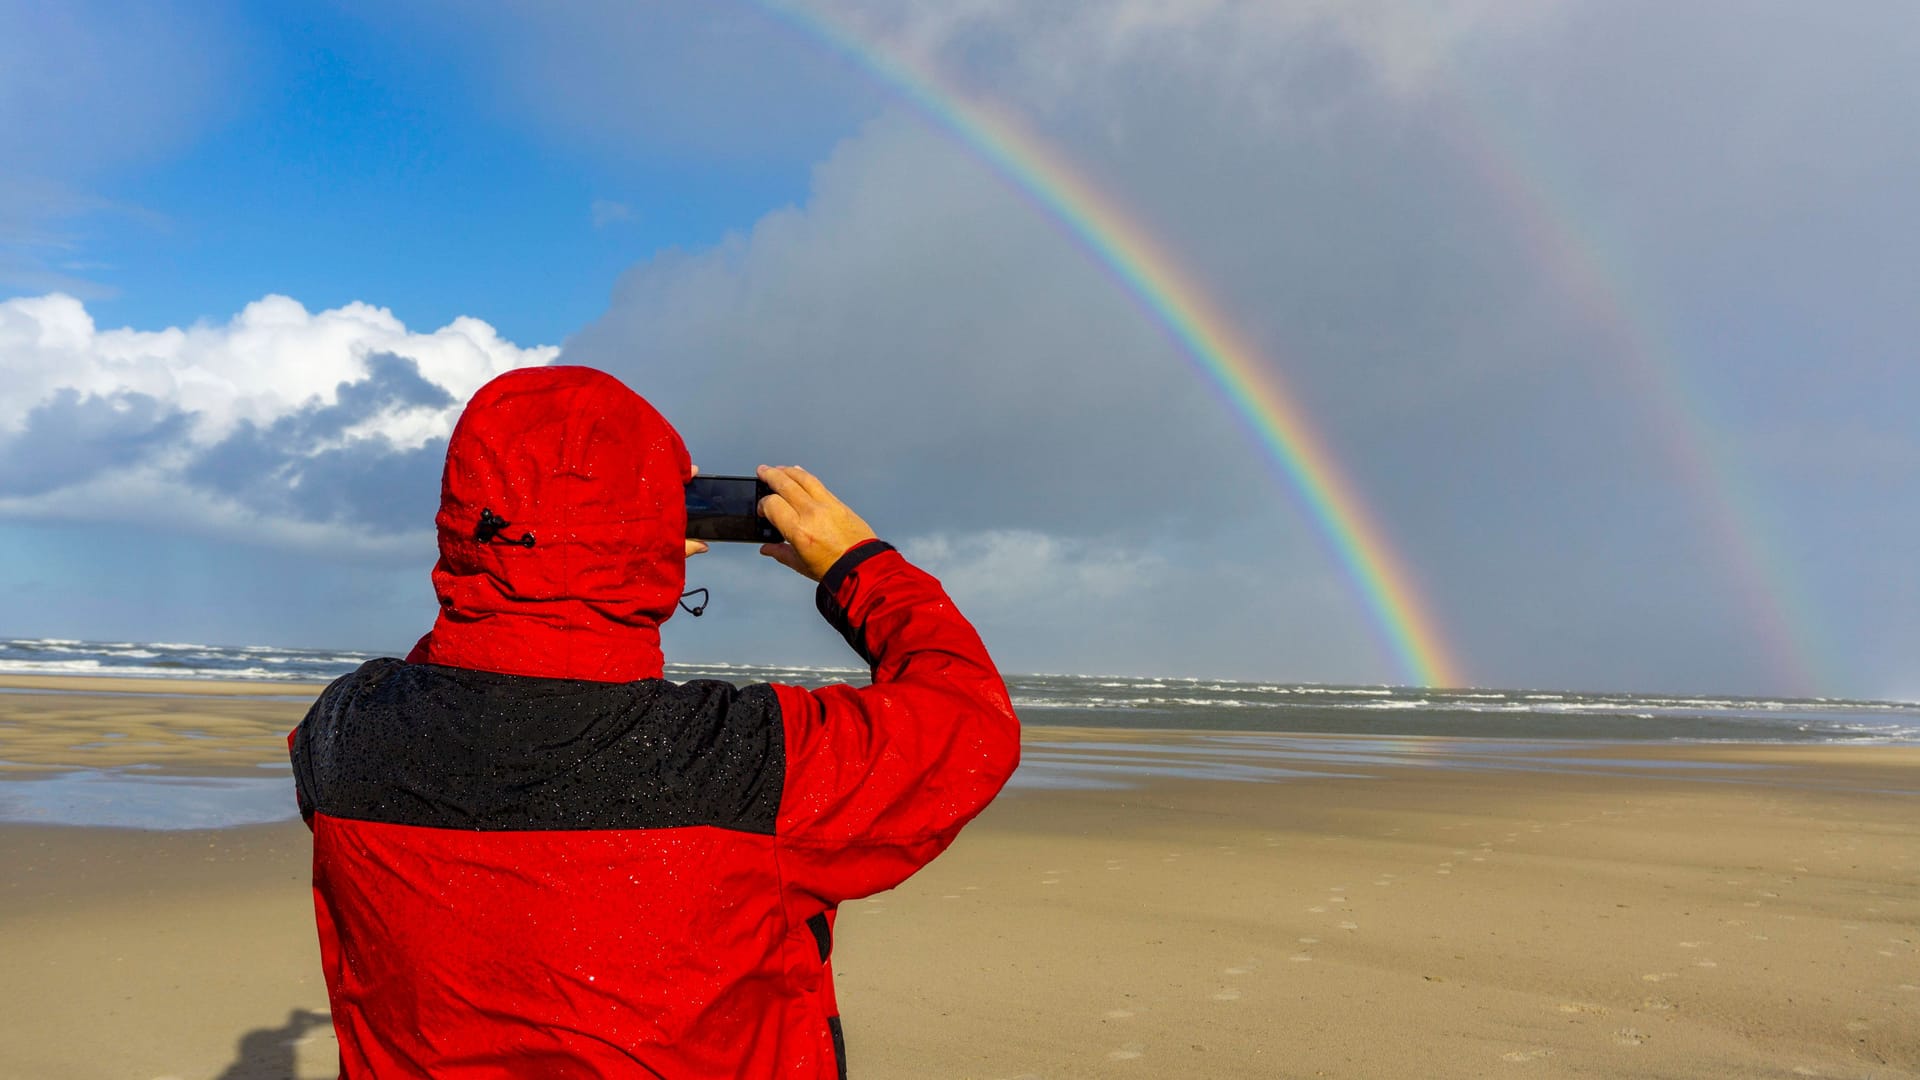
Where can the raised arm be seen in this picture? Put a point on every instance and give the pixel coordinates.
(879, 779)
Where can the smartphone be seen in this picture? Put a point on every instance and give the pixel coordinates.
(728, 508)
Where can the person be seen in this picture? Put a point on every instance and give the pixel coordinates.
(533, 856)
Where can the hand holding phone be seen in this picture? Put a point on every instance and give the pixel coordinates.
(817, 527)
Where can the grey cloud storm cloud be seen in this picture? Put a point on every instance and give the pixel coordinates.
(298, 467)
(71, 438)
(969, 370)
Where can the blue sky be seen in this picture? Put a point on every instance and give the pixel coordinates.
(215, 216)
(381, 153)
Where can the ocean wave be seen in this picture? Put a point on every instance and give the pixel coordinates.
(92, 667)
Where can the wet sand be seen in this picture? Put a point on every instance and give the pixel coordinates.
(1346, 907)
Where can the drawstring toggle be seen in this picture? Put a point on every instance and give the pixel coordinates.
(489, 529)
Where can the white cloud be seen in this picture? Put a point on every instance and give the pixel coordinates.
(281, 425)
(272, 359)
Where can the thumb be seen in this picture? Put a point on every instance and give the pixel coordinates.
(785, 556)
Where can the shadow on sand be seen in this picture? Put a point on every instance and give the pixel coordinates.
(268, 1053)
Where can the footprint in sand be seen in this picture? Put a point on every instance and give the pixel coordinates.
(1129, 1052)
(1349, 926)
(1309, 941)
(1583, 1007)
(1299, 958)
(1691, 944)
(1316, 911)
(1525, 1055)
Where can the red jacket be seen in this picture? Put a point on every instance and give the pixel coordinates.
(534, 857)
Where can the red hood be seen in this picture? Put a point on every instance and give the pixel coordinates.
(598, 478)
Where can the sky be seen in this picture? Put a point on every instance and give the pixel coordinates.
(1600, 310)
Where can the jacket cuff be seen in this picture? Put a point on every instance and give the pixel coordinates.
(827, 596)
(848, 561)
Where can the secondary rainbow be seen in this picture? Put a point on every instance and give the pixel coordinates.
(1249, 383)
(1542, 209)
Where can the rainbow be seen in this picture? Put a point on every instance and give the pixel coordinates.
(1250, 384)
(1578, 264)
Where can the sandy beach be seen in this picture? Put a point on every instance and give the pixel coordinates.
(1346, 907)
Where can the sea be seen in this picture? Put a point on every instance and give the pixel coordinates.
(1166, 703)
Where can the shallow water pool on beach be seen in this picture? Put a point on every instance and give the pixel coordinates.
(129, 799)
(1053, 760)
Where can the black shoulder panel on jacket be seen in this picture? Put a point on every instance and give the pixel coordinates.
(417, 744)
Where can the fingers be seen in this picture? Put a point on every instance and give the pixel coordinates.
(777, 509)
(784, 484)
(784, 555)
(791, 480)
(790, 497)
(810, 483)
(817, 527)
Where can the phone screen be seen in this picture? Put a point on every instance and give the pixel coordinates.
(727, 508)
